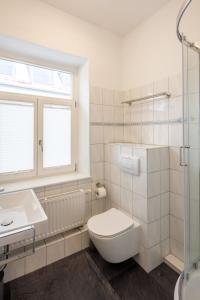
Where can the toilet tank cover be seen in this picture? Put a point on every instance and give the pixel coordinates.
(109, 223)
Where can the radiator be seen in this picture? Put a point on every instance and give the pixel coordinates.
(64, 211)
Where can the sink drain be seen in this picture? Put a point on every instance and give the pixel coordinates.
(6, 222)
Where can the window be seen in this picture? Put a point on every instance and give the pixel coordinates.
(40, 80)
(37, 132)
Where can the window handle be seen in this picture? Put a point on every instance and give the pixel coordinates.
(41, 144)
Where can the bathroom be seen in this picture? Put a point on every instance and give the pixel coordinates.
(99, 149)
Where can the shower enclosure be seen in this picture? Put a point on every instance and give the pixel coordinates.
(188, 285)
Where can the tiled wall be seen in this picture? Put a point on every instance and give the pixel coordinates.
(159, 122)
(47, 252)
(144, 196)
(154, 122)
(106, 126)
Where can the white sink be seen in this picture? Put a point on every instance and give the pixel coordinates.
(20, 209)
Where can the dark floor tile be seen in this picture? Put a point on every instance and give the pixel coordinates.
(71, 278)
(136, 284)
(165, 277)
(86, 276)
(109, 270)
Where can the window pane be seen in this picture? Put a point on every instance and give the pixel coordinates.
(38, 79)
(16, 136)
(57, 136)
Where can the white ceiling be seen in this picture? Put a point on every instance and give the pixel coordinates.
(119, 16)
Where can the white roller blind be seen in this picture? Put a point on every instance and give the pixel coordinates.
(56, 136)
(16, 136)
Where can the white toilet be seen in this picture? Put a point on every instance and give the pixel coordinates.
(115, 235)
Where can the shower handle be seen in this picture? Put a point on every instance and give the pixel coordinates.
(182, 161)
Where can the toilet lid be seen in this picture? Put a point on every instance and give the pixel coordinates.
(109, 223)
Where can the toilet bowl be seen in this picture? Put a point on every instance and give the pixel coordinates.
(115, 235)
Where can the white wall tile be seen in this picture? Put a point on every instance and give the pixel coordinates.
(96, 113)
(164, 228)
(140, 209)
(55, 249)
(98, 206)
(147, 111)
(127, 114)
(153, 208)
(175, 135)
(154, 257)
(115, 194)
(126, 201)
(126, 181)
(97, 171)
(108, 97)
(177, 249)
(161, 134)
(147, 134)
(153, 184)
(107, 171)
(136, 112)
(108, 134)
(108, 114)
(96, 134)
(165, 248)
(126, 150)
(118, 98)
(177, 206)
(177, 229)
(164, 181)
(53, 190)
(150, 234)
(175, 159)
(115, 174)
(128, 134)
(118, 114)
(97, 153)
(85, 239)
(114, 153)
(175, 108)
(140, 184)
(153, 158)
(176, 182)
(161, 110)
(164, 158)
(14, 270)
(118, 133)
(37, 260)
(107, 157)
(142, 154)
(73, 244)
(164, 200)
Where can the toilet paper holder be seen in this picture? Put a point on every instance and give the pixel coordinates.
(100, 191)
(98, 185)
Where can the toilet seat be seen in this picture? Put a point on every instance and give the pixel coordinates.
(110, 223)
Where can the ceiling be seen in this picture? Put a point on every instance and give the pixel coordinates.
(119, 16)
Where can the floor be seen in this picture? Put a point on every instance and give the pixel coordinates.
(86, 276)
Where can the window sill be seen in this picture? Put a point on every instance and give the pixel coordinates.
(40, 182)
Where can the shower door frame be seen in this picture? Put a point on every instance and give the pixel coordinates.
(189, 265)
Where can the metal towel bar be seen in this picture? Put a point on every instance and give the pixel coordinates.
(155, 96)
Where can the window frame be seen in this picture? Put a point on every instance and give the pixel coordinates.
(61, 169)
(25, 174)
(38, 102)
(8, 87)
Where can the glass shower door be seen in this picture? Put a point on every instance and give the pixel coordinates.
(190, 157)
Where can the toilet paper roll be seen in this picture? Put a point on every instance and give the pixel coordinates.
(101, 192)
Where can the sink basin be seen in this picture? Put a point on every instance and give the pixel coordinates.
(20, 209)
